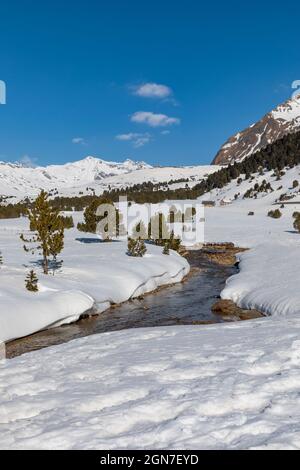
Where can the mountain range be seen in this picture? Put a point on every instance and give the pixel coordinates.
(90, 175)
(19, 179)
(93, 175)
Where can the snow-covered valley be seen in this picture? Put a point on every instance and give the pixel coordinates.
(212, 386)
(149, 231)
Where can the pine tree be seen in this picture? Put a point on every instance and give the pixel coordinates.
(67, 221)
(1, 258)
(136, 248)
(276, 214)
(90, 218)
(166, 250)
(92, 221)
(296, 216)
(139, 231)
(31, 282)
(174, 243)
(158, 229)
(47, 224)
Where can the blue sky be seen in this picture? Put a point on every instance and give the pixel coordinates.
(80, 76)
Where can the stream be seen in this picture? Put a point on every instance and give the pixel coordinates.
(184, 303)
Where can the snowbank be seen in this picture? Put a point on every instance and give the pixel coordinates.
(212, 387)
(92, 272)
(268, 280)
(269, 272)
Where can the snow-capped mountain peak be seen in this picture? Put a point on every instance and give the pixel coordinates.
(289, 111)
(284, 119)
(18, 179)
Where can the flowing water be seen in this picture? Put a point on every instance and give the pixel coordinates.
(185, 303)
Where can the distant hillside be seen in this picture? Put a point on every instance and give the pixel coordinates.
(19, 180)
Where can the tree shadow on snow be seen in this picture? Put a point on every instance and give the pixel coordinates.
(53, 265)
(95, 240)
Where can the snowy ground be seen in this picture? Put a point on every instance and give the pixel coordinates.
(92, 272)
(269, 271)
(220, 386)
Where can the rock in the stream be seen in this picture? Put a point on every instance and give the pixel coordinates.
(226, 308)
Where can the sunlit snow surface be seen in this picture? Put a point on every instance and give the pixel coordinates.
(87, 176)
(225, 386)
(221, 386)
(92, 272)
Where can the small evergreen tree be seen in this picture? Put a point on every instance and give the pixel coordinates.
(297, 224)
(276, 214)
(31, 282)
(166, 250)
(158, 229)
(296, 216)
(139, 231)
(1, 258)
(136, 248)
(67, 221)
(174, 243)
(295, 184)
(91, 219)
(47, 224)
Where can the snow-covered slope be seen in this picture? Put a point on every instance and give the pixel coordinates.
(19, 180)
(282, 190)
(284, 119)
(269, 271)
(156, 175)
(87, 176)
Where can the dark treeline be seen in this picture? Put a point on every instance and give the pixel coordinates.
(12, 211)
(283, 153)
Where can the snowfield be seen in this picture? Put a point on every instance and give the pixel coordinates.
(88, 176)
(268, 280)
(213, 387)
(22, 181)
(93, 273)
(223, 386)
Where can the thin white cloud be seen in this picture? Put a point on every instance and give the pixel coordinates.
(137, 139)
(154, 120)
(153, 90)
(166, 132)
(79, 140)
(28, 161)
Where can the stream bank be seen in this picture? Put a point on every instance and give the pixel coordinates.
(194, 301)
